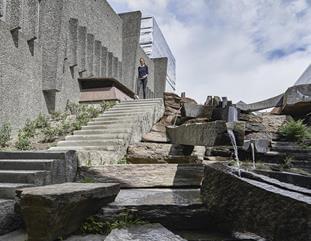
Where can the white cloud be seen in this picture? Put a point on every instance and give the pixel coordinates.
(222, 47)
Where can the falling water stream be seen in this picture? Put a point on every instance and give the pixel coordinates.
(253, 155)
(233, 117)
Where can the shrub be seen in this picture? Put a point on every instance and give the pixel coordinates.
(41, 122)
(295, 131)
(23, 142)
(5, 134)
(29, 129)
(106, 105)
(50, 134)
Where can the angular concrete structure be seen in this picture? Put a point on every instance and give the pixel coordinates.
(48, 45)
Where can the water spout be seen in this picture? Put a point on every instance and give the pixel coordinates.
(253, 155)
(232, 114)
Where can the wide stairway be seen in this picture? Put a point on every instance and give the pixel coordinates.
(106, 138)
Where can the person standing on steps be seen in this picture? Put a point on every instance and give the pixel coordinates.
(143, 73)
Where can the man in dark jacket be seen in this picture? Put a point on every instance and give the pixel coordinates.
(143, 73)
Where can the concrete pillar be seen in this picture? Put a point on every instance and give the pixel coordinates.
(104, 62)
(1, 8)
(73, 42)
(97, 60)
(160, 74)
(81, 58)
(110, 65)
(14, 13)
(29, 22)
(120, 71)
(115, 67)
(90, 53)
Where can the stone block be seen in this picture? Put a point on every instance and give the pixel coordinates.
(82, 48)
(90, 54)
(104, 63)
(9, 220)
(143, 233)
(73, 42)
(197, 111)
(97, 59)
(260, 205)
(57, 211)
(158, 137)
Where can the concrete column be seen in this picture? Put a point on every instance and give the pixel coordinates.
(81, 49)
(90, 53)
(2, 8)
(73, 42)
(120, 71)
(160, 73)
(115, 67)
(110, 65)
(104, 62)
(30, 21)
(97, 60)
(14, 13)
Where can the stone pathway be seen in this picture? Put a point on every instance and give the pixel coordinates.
(105, 139)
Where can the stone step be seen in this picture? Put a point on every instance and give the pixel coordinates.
(88, 137)
(25, 176)
(115, 114)
(134, 102)
(25, 164)
(108, 134)
(112, 123)
(99, 143)
(147, 175)
(7, 190)
(85, 148)
(33, 155)
(117, 118)
(106, 125)
(131, 108)
(184, 207)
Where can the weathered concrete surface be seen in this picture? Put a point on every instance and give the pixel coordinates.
(155, 136)
(243, 204)
(9, 220)
(205, 134)
(58, 210)
(146, 175)
(176, 209)
(146, 232)
(87, 238)
(152, 153)
(197, 111)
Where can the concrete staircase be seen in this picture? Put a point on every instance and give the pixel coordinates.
(26, 169)
(106, 138)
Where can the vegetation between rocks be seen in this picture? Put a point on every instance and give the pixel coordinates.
(295, 130)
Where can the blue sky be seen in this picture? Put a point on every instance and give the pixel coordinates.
(244, 49)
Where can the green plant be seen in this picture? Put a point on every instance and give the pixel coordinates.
(29, 129)
(5, 134)
(106, 105)
(93, 226)
(41, 121)
(295, 131)
(50, 134)
(287, 163)
(23, 142)
(122, 161)
(88, 180)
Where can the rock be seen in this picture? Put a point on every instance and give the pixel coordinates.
(205, 134)
(197, 111)
(185, 100)
(147, 175)
(263, 206)
(174, 208)
(260, 145)
(158, 137)
(58, 210)
(272, 123)
(151, 153)
(250, 118)
(146, 232)
(87, 238)
(9, 219)
(223, 151)
(172, 100)
(197, 120)
(159, 127)
(254, 127)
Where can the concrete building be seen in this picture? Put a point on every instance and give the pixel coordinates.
(47, 46)
(155, 46)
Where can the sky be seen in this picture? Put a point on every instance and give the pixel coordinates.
(244, 49)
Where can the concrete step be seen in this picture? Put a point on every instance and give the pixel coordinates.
(174, 208)
(25, 164)
(7, 190)
(25, 176)
(107, 142)
(110, 129)
(131, 108)
(147, 175)
(85, 148)
(110, 124)
(115, 114)
(108, 134)
(117, 118)
(148, 101)
(33, 155)
(95, 137)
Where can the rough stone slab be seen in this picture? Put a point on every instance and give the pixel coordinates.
(147, 175)
(174, 208)
(154, 136)
(58, 210)
(152, 153)
(197, 111)
(148, 232)
(254, 206)
(9, 220)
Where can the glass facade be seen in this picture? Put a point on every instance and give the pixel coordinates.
(155, 46)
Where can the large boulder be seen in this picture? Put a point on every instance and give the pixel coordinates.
(146, 232)
(197, 111)
(9, 219)
(143, 153)
(58, 210)
(257, 204)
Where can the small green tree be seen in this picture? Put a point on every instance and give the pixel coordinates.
(295, 131)
(23, 142)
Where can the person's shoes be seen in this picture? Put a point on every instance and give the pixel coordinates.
(136, 97)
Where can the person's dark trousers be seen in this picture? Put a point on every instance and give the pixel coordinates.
(142, 83)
